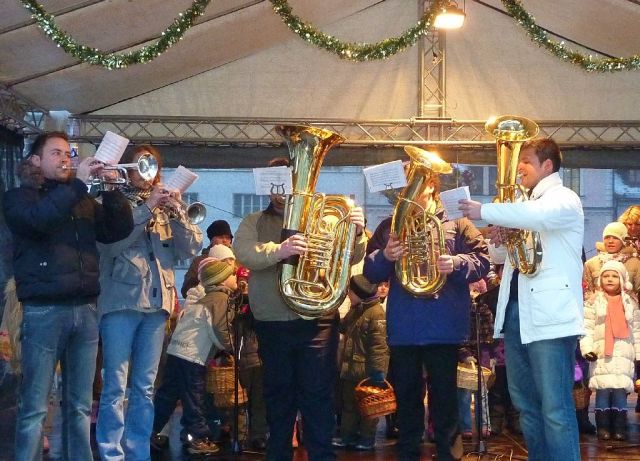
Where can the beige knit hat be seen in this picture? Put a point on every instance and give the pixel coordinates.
(613, 265)
(221, 252)
(615, 229)
(212, 272)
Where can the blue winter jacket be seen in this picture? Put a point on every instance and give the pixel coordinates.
(443, 319)
(54, 229)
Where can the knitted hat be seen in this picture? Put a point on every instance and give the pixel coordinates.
(363, 288)
(218, 228)
(221, 252)
(213, 272)
(613, 265)
(617, 230)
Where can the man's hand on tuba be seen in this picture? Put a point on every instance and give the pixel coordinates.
(294, 245)
(447, 263)
(394, 249)
(357, 217)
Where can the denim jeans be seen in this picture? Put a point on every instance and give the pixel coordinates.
(464, 409)
(611, 398)
(299, 364)
(128, 336)
(540, 376)
(68, 333)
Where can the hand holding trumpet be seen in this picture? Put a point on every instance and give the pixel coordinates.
(159, 197)
(89, 168)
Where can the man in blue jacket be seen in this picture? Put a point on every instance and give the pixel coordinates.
(426, 331)
(540, 316)
(55, 224)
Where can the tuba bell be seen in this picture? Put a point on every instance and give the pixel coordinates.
(419, 230)
(315, 284)
(524, 248)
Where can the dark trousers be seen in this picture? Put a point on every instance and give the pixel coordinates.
(252, 380)
(299, 365)
(184, 381)
(440, 362)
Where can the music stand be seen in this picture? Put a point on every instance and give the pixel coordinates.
(238, 341)
(481, 446)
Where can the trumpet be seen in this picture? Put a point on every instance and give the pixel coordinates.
(194, 213)
(147, 167)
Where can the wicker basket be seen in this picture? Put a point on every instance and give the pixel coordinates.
(581, 397)
(468, 377)
(220, 383)
(375, 401)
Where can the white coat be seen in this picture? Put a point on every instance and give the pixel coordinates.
(550, 302)
(615, 372)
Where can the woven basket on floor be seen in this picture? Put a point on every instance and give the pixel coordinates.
(468, 377)
(375, 401)
(220, 383)
(581, 397)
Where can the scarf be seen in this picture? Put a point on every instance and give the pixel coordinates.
(135, 195)
(615, 323)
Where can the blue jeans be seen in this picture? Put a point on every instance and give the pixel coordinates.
(464, 409)
(540, 376)
(611, 398)
(53, 332)
(136, 337)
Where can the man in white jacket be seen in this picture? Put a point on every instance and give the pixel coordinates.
(540, 316)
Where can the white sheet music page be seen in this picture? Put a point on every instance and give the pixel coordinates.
(385, 176)
(449, 199)
(181, 179)
(111, 148)
(273, 180)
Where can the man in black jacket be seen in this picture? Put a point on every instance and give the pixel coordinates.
(55, 224)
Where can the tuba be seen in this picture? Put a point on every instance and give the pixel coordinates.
(523, 247)
(315, 284)
(420, 231)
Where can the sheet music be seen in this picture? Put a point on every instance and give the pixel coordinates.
(450, 198)
(385, 176)
(111, 148)
(273, 180)
(181, 179)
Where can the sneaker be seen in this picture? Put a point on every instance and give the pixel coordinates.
(343, 443)
(364, 446)
(202, 447)
(159, 442)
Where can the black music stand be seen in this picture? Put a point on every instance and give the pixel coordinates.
(481, 446)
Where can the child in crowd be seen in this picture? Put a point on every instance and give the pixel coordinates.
(203, 323)
(612, 343)
(365, 355)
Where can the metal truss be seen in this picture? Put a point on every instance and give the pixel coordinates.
(432, 91)
(595, 134)
(20, 115)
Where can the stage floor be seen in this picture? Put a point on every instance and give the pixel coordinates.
(504, 445)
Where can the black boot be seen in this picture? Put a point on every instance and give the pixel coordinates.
(584, 425)
(603, 423)
(619, 423)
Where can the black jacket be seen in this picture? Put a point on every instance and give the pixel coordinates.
(55, 228)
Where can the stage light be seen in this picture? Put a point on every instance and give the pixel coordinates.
(450, 17)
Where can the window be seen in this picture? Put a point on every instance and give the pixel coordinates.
(571, 179)
(633, 178)
(190, 197)
(244, 204)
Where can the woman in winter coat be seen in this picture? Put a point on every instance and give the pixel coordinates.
(612, 344)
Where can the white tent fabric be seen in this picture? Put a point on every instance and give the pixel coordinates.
(241, 61)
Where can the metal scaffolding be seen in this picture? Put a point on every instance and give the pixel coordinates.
(19, 114)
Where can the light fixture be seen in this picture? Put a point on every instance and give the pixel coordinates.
(450, 17)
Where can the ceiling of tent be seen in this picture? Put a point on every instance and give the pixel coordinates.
(230, 30)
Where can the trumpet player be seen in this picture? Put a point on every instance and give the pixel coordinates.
(425, 332)
(137, 296)
(55, 225)
(541, 316)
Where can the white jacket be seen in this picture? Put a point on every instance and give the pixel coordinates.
(550, 302)
(615, 372)
(198, 327)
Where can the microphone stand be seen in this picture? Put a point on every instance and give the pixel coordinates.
(481, 447)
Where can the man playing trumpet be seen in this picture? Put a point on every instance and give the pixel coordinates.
(138, 294)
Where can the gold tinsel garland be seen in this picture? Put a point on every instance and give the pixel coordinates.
(352, 50)
(97, 57)
(587, 62)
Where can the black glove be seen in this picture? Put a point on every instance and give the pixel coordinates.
(376, 378)
(591, 356)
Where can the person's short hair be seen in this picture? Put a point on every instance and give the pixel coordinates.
(631, 215)
(279, 161)
(545, 149)
(38, 143)
(130, 154)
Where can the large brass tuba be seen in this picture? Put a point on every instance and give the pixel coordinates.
(418, 229)
(523, 247)
(315, 284)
